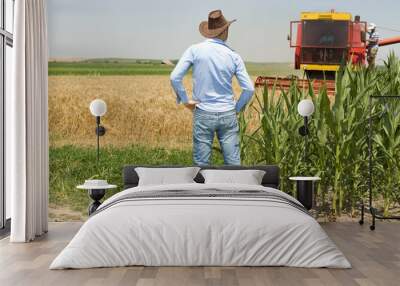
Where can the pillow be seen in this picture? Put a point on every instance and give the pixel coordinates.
(248, 177)
(166, 176)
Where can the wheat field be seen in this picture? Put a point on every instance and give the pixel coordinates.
(142, 110)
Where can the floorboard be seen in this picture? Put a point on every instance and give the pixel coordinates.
(375, 257)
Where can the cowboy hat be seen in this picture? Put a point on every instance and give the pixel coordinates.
(215, 25)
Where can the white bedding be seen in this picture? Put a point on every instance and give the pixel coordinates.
(192, 231)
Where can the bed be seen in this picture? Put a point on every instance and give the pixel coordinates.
(197, 224)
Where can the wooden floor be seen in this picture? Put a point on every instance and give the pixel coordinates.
(375, 257)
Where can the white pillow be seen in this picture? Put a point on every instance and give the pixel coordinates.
(166, 176)
(248, 177)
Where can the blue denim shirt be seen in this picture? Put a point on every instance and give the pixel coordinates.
(214, 65)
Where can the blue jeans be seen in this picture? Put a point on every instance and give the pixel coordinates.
(205, 125)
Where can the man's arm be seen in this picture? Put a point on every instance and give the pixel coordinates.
(245, 83)
(177, 75)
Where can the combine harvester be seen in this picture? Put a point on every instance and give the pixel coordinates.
(324, 41)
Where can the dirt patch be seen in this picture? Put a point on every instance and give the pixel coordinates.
(63, 213)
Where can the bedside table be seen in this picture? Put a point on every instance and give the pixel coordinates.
(96, 190)
(305, 190)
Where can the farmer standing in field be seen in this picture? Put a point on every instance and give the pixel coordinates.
(213, 105)
(373, 44)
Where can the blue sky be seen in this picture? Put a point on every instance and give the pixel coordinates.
(164, 29)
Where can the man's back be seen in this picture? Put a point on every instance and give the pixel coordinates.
(214, 65)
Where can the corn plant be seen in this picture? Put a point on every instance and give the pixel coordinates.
(338, 144)
(388, 142)
(387, 139)
(276, 112)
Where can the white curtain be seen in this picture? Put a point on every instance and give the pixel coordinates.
(27, 124)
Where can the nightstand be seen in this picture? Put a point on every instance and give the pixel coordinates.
(96, 190)
(305, 190)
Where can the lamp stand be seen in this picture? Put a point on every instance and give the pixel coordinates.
(98, 137)
(304, 131)
(100, 131)
(305, 138)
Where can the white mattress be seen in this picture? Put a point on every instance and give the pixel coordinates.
(202, 231)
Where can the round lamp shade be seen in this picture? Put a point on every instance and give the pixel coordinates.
(305, 107)
(98, 107)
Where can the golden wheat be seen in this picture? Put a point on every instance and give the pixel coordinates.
(141, 110)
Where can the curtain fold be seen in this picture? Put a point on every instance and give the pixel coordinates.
(27, 123)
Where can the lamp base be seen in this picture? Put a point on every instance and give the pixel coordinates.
(100, 130)
(96, 195)
(303, 131)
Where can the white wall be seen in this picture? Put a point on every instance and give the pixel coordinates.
(9, 66)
